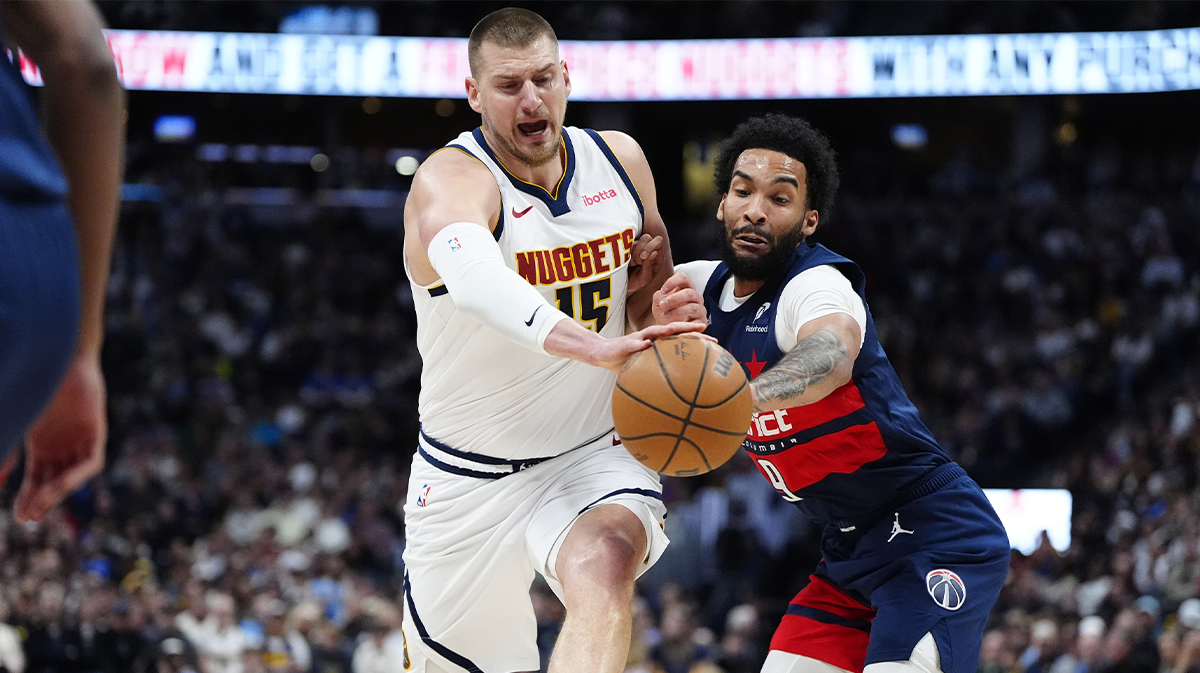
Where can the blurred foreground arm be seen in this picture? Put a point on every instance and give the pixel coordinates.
(83, 117)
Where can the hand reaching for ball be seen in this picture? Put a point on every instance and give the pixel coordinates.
(678, 300)
(612, 354)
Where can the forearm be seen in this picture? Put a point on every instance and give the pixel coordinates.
(84, 117)
(569, 339)
(483, 287)
(818, 365)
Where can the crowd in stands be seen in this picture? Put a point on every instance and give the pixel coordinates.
(263, 381)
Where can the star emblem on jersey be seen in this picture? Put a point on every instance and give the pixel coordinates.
(522, 213)
(896, 529)
(946, 588)
(754, 365)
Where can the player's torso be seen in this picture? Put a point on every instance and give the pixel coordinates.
(484, 394)
(847, 454)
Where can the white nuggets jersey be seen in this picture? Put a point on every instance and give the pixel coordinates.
(485, 395)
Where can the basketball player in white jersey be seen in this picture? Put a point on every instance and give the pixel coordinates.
(528, 245)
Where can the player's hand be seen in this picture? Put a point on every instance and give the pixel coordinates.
(678, 300)
(65, 446)
(644, 262)
(612, 354)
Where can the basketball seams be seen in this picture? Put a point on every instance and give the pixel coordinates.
(639, 400)
(708, 466)
(667, 374)
(651, 431)
(674, 417)
(714, 405)
(691, 407)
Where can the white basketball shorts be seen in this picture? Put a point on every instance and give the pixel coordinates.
(475, 539)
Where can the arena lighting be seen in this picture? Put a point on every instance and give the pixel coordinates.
(909, 136)
(407, 165)
(1027, 513)
(174, 128)
(834, 67)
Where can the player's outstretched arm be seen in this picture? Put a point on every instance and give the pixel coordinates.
(821, 362)
(84, 120)
(572, 340)
(448, 219)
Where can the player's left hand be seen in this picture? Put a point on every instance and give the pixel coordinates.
(65, 446)
(644, 262)
(679, 301)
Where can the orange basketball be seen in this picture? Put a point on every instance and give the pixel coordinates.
(682, 406)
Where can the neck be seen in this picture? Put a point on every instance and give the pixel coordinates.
(745, 288)
(545, 176)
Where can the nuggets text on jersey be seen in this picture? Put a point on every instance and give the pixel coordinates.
(577, 262)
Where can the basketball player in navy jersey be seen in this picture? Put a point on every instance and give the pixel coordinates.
(58, 210)
(914, 555)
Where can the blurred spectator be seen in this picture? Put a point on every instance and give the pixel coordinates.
(221, 648)
(683, 648)
(12, 657)
(171, 658)
(372, 655)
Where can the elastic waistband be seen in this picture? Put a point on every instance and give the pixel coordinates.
(477, 465)
(939, 477)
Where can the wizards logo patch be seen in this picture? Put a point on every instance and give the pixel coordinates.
(946, 588)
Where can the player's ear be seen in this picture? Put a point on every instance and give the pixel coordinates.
(566, 77)
(721, 208)
(811, 219)
(473, 94)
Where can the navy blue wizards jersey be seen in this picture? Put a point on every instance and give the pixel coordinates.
(850, 454)
(28, 167)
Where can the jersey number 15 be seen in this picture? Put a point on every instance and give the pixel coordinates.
(591, 298)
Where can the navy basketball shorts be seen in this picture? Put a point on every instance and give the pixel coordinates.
(39, 310)
(936, 565)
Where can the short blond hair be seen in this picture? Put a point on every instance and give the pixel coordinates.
(511, 27)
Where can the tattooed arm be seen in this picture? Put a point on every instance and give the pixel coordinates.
(821, 362)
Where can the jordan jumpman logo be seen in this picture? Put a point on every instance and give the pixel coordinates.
(896, 529)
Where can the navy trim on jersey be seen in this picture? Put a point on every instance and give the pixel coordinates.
(639, 491)
(437, 290)
(478, 457)
(499, 223)
(857, 417)
(824, 617)
(556, 203)
(460, 471)
(450, 655)
(616, 163)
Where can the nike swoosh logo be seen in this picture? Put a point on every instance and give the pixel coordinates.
(529, 323)
(522, 213)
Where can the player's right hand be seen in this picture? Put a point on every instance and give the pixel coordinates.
(613, 353)
(678, 300)
(65, 446)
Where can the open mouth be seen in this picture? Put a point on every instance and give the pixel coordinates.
(752, 242)
(534, 129)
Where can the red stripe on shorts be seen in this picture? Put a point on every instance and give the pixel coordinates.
(822, 631)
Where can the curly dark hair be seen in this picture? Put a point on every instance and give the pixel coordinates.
(794, 137)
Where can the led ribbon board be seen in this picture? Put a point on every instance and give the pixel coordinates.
(848, 67)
